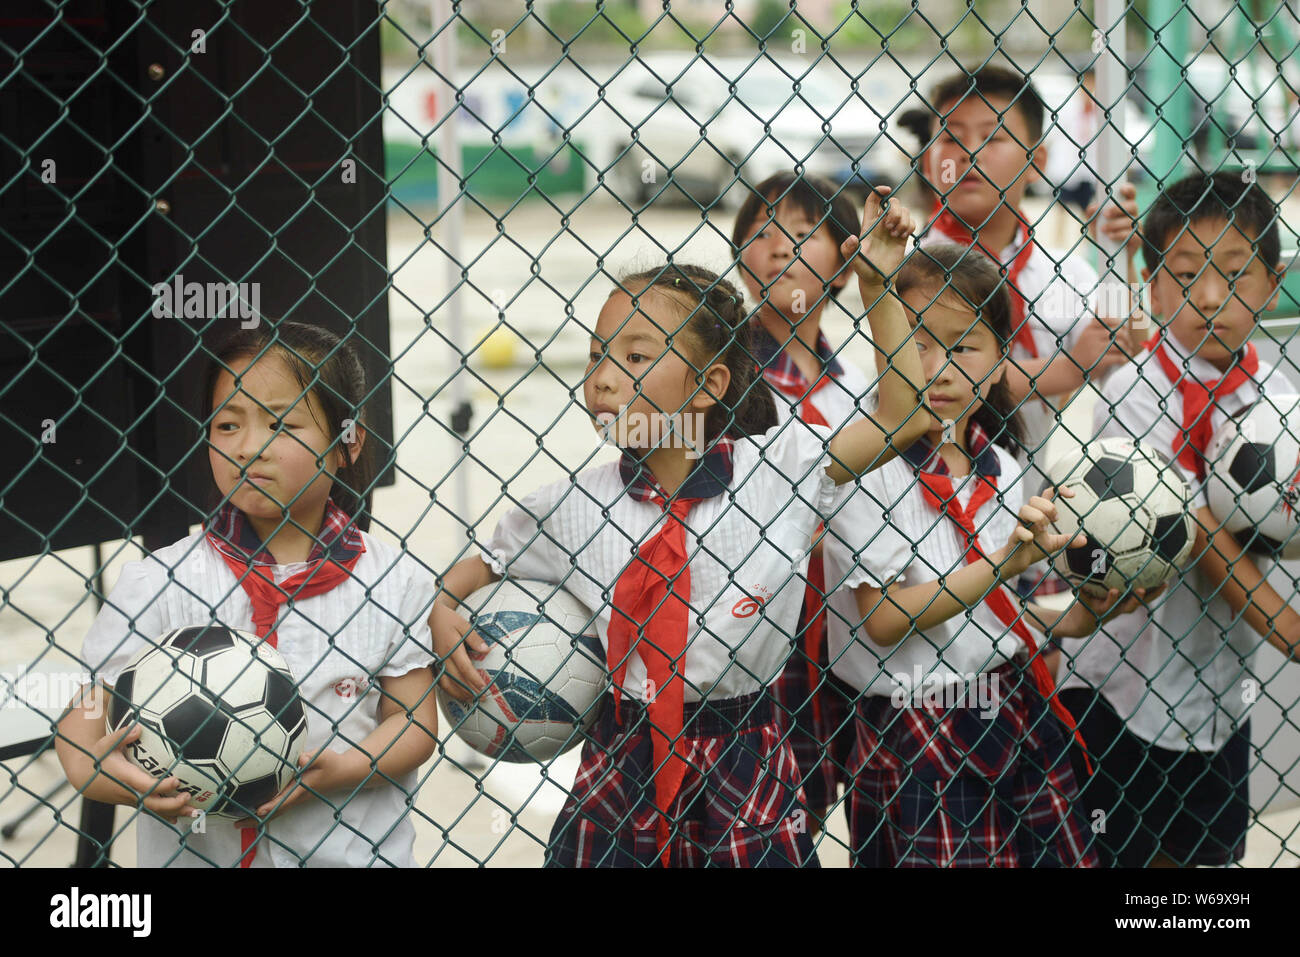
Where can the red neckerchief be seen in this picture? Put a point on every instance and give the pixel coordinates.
(1198, 420)
(333, 555)
(651, 615)
(956, 230)
(936, 487)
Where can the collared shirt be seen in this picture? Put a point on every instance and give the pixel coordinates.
(1176, 672)
(849, 395)
(886, 534)
(748, 549)
(336, 644)
(338, 537)
(710, 476)
(1058, 306)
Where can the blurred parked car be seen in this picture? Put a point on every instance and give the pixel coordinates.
(708, 126)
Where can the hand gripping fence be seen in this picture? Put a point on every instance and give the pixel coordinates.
(455, 191)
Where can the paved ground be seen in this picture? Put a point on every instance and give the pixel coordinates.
(463, 820)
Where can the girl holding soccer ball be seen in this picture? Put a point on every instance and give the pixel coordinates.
(287, 448)
(678, 548)
(921, 623)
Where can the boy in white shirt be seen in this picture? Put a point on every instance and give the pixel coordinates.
(1160, 695)
(986, 148)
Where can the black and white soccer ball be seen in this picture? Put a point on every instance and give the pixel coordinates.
(1134, 508)
(544, 668)
(219, 710)
(1252, 473)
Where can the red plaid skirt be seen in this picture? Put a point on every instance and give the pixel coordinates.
(945, 787)
(740, 804)
(821, 736)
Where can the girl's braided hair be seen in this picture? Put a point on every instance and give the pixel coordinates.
(717, 323)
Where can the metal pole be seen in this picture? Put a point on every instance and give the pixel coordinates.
(452, 222)
(1114, 153)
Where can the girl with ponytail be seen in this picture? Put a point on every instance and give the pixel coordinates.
(959, 728)
(690, 550)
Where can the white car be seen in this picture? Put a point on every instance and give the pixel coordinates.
(673, 124)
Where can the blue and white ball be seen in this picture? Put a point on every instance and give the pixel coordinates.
(544, 668)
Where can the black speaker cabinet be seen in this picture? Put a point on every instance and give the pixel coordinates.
(237, 144)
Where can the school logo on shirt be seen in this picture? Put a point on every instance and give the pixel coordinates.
(350, 687)
(750, 604)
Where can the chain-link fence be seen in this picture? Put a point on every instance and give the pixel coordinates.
(597, 330)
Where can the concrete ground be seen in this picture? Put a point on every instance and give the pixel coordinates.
(541, 265)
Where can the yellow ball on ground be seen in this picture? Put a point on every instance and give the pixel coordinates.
(496, 350)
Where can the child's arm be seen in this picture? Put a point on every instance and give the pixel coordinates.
(1098, 349)
(95, 765)
(1237, 578)
(451, 630)
(898, 421)
(1087, 612)
(1101, 345)
(890, 615)
(405, 738)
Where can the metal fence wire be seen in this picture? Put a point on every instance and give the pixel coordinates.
(498, 225)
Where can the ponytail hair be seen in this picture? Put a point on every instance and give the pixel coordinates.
(717, 324)
(971, 278)
(329, 370)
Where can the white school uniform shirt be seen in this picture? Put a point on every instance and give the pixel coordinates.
(748, 550)
(1163, 669)
(886, 534)
(333, 643)
(1057, 305)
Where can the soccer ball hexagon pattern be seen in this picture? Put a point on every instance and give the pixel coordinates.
(1132, 506)
(219, 710)
(545, 671)
(1252, 476)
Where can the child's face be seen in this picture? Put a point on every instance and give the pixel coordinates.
(1211, 289)
(794, 280)
(959, 355)
(266, 442)
(634, 378)
(978, 158)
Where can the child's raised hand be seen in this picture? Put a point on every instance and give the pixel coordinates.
(880, 251)
(1118, 220)
(1102, 345)
(451, 634)
(1033, 539)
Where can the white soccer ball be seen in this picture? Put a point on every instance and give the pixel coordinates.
(545, 671)
(1132, 505)
(219, 710)
(1251, 481)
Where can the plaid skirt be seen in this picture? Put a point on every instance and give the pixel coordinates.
(939, 786)
(821, 736)
(740, 804)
